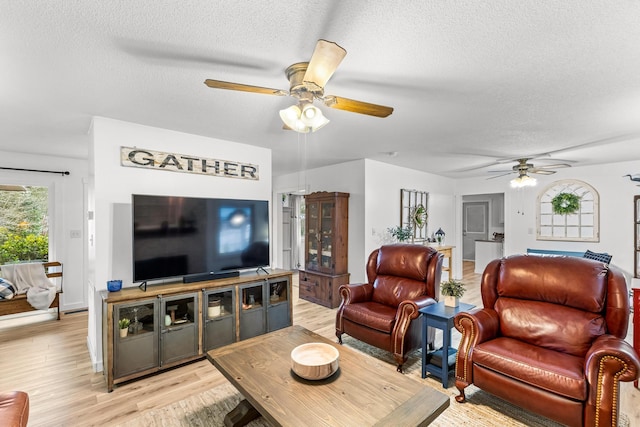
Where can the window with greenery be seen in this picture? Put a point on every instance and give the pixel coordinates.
(24, 228)
(568, 210)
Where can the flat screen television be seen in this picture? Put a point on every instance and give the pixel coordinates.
(197, 237)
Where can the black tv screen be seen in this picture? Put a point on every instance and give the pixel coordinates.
(182, 236)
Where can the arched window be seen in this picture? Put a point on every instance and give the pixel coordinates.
(575, 216)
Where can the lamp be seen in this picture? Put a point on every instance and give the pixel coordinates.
(439, 235)
(523, 180)
(303, 118)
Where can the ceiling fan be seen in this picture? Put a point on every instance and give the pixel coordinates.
(306, 83)
(523, 169)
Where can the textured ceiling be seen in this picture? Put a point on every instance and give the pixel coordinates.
(472, 83)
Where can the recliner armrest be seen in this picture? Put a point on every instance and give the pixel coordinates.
(355, 292)
(485, 321)
(608, 361)
(610, 355)
(424, 301)
(476, 326)
(409, 308)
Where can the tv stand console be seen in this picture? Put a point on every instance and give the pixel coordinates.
(202, 277)
(175, 323)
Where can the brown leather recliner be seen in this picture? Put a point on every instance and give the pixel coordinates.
(14, 409)
(383, 312)
(550, 338)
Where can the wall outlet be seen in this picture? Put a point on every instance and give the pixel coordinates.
(75, 234)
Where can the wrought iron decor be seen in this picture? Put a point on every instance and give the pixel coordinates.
(414, 212)
(568, 210)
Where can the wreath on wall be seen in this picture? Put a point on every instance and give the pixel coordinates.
(565, 203)
(420, 216)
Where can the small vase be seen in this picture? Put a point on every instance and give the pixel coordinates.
(123, 332)
(450, 301)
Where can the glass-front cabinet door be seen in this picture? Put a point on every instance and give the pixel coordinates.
(218, 314)
(252, 310)
(179, 330)
(327, 210)
(320, 223)
(278, 313)
(313, 234)
(136, 345)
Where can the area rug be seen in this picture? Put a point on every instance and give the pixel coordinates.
(481, 409)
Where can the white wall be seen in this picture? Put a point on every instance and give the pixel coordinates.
(616, 210)
(345, 178)
(374, 202)
(66, 193)
(383, 184)
(114, 184)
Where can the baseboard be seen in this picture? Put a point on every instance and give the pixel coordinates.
(97, 365)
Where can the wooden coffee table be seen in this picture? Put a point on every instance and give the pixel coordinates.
(363, 392)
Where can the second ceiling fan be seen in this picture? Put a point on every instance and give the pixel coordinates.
(523, 169)
(306, 83)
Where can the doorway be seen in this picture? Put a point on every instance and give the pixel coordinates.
(292, 231)
(475, 226)
(482, 219)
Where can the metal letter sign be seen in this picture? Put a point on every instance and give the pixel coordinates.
(149, 159)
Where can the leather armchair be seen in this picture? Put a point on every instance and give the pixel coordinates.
(14, 409)
(550, 338)
(383, 312)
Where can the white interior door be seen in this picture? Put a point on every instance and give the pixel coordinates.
(475, 227)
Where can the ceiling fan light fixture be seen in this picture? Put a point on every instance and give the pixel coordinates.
(312, 117)
(306, 119)
(523, 181)
(291, 118)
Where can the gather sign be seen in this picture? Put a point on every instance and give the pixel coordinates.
(150, 159)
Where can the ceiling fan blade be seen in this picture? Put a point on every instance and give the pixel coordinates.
(219, 84)
(556, 166)
(498, 176)
(504, 172)
(541, 171)
(347, 104)
(323, 63)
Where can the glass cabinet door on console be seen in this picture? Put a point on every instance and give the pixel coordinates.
(218, 313)
(135, 349)
(278, 314)
(179, 330)
(252, 310)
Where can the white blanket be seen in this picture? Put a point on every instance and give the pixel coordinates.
(30, 278)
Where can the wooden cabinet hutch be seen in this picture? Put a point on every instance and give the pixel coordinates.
(326, 247)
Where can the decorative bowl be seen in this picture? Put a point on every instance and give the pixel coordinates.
(114, 285)
(314, 361)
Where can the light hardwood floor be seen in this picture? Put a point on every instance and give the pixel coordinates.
(50, 361)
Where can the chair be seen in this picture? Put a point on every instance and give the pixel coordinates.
(383, 312)
(550, 338)
(14, 409)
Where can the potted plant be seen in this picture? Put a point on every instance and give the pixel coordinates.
(452, 290)
(400, 234)
(124, 326)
